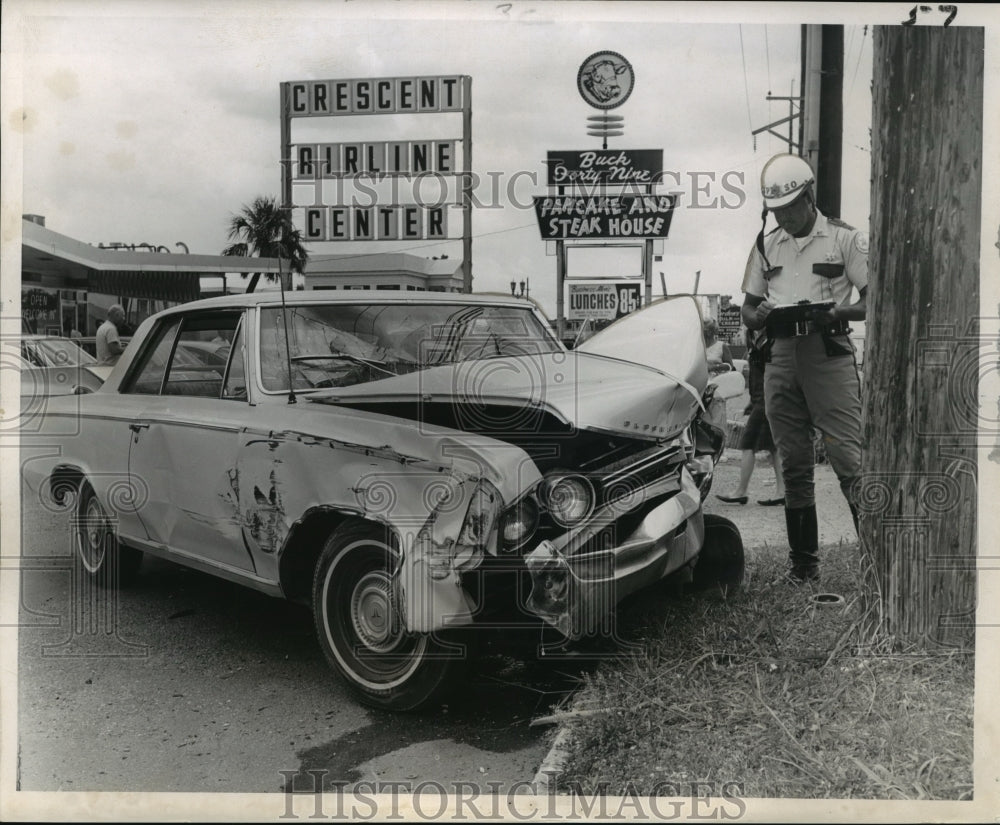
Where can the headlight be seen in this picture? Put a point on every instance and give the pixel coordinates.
(518, 524)
(569, 498)
(480, 517)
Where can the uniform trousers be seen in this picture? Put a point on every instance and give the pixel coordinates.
(804, 387)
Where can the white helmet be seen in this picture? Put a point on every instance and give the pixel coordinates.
(784, 179)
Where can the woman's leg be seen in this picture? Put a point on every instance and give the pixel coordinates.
(779, 481)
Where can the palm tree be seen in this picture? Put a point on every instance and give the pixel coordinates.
(264, 229)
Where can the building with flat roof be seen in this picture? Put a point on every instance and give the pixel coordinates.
(384, 270)
(68, 284)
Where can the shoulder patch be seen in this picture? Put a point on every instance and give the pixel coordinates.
(839, 222)
(861, 242)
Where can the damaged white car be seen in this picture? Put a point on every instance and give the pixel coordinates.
(413, 467)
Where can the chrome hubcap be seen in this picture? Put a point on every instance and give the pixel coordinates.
(93, 536)
(373, 613)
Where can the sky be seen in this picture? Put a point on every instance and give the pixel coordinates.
(155, 122)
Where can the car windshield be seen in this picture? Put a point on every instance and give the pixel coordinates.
(56, 352)
(339, 345)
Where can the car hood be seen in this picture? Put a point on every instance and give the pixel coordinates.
(584, 390)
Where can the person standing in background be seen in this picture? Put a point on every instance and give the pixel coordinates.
(70, 330)
(109, 345)
(720, 359)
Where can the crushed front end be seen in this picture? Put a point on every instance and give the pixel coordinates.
(584, 540)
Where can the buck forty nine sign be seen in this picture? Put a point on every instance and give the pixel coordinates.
(596, 166)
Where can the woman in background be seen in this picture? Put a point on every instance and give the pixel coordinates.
(720, 359)
(757, 432)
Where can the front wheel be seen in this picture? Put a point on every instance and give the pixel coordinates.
(721, 560)
(361, 629)
(96, 546)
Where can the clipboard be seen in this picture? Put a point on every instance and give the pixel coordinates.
(796, 313)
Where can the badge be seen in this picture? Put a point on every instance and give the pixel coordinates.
(861, 242)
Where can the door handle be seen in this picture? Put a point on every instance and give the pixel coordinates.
(136, 427)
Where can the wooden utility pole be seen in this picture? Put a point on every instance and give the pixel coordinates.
(823, 111)
(831, 121)
(918, 488)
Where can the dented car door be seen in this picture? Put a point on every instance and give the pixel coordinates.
(185, 447)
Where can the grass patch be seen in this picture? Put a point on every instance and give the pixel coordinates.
(768, 690)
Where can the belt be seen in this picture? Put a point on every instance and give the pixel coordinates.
(808, 328)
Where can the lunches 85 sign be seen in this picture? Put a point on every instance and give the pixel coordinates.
(602, 302)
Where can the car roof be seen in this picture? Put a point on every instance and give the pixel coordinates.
(39, 337)
(321, 296)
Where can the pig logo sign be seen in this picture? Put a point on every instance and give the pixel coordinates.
(605, 80)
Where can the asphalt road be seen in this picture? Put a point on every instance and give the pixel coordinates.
(187, 683)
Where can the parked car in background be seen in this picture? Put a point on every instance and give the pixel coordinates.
(50, 366)
(89, 343)
(52, 351)
(414, 468)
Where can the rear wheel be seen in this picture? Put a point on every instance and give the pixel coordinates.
(96, 546)
(361, 627)
(721, 561)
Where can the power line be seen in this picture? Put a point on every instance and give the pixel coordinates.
(746, 86)
(861, 49)
(767, 52)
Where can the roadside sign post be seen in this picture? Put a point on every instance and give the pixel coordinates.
(602, 197)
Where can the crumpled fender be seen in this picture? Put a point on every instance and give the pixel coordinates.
(418, 478)
(500, 472)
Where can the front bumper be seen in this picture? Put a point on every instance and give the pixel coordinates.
(576, 591)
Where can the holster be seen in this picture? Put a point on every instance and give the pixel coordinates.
(834, 347)
(765, 350)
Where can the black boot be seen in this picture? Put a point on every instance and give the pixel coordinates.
(803, 539)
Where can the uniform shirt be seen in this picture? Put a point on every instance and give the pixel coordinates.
(822, 266)
(106, 333)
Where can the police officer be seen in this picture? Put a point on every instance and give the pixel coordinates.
(812, 377)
